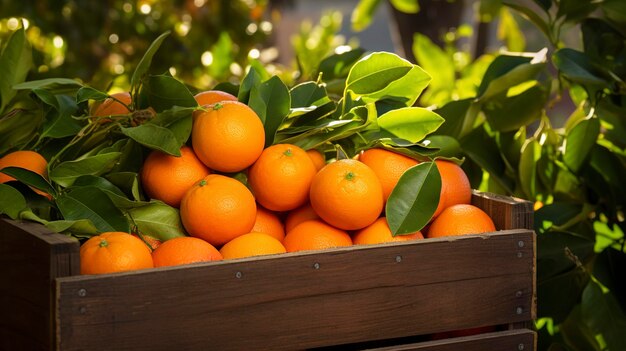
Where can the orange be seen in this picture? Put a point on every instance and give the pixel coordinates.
(455, 186)
(150, 241)
(184, 250)
(388, 166)
(210, 97)
(268, 222)
(218, 209)
(112, 252)
(281, 177)
(379, 232)
(318, 158)
(112, 107)
(347, 194)
(461, 219)
(315, 235)
(228, 137)
(165, 177)
(26, 159)
(299, 215)
(252, 244)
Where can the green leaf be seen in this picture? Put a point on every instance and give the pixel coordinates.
(29, 178)
(363, 13)
(16, 59)
(87, 93)
(436, 62)
(128, 182)
(47, 98)
(406, 6)
(507, 71)
(12, 202)
(251, 79)
(577, 67)
(531, 152)
(80, 227)
(557, 214)
(604, 316)
(554, 250)
(93, 204)
(144, 64)
(165, 92)
(66, 172)
(308, 94)
(615, 10)
(154, 137)
(337, 66)
(576, 332)
(113, 192)
(60, 122)
(271, 101)
(157, 220)
(178, 120)
(579, 141)
(552, 302)
(383, 75)
(18, 127)
(509, 113)
(222, 55)
(50, 84)
(414, 199)
(527, 12)
(410, 123)
(509, 30)
(454, 113)
(483, 150)
(574, 10)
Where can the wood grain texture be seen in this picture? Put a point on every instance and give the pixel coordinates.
(521, 339)
(31, 257)
(305, 300)
(506, 212)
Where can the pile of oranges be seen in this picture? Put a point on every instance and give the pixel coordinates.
(292, 199)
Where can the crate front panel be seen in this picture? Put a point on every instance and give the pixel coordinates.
(305, 300)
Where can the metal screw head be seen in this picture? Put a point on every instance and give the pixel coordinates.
(398, 258)
(520, 243)
(238, 275)
(520, 254)
(519, 310)
(82, 292)
(520, 347)
(82, 310)
(518, 293)
(316, 265)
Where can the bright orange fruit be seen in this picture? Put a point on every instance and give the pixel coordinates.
(112, 107)
(268, 222)
(112, 252)
(252, 244)
(455, 186)
(461, 219)
(315, 235)
(184, 250)
(209, 97)
(318, 158)
(299, 215)
(379, 232)
(30, 160)
(388, 166)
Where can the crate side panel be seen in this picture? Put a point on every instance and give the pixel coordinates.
(521, 339)
(305, 300)
(506, 212)
(30, 258)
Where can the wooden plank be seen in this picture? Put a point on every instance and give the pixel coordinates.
(305, 300)
(506, 212)
(518, 340)
(31, 257)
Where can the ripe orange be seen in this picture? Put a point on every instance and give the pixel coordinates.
(455, 186)
(379, 232)
(315, 235)
(388, 166)
(228, 137)
(150, 241)
(218, 209)
(111, 107)
(210, 97)
(318, 158)
(114, 252)
(26, 159)
(299, 215)
(184, 250)
(281, 177)
(461, 219)
(252, 244)
(165, 177)
(268, 222)
(347, 194)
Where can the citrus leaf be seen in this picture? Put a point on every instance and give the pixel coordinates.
(158, 220)
(48, 83)
(66, 172)
(88, 93)
(531, 152)
(410, 123)
(435, 61)
(454, 114)
(271, 101)
(30, 178)
(337, 66)
(128, 182)
(93, 204)
(308, 94)
(363, 13)
(80, 227)
(604, 316)
(154, 137)
(530, 15)
(16, 59)
(382, 75)
(12, 202)
(577, 67)
(60, 123)
(113, 192)
(507, 71)
(251, 79)
(510, 113)
(18, 127)
(414, 199)
(406, 6)
(144, 64)
(165, 92)
(579, 141)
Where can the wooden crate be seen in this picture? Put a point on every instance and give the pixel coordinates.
(390, 297)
